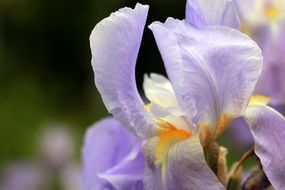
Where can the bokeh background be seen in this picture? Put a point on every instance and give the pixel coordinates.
(46, 79)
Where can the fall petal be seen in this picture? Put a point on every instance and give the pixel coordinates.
(186, 168)
(112, 157)
(268, 129)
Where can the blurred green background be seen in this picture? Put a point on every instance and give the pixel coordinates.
(45, 71)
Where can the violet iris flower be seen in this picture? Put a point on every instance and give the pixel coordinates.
(112, 158)
(213, 70)
(264, 21)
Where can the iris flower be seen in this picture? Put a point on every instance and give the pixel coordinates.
(212, 69)
(112, 158)
(264, 21)
(258, 13)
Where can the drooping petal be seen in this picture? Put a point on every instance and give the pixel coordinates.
(152, 173)
(186, 168)
(268, 129)
(112, 157)
(202, 13)
(213, 70)
(240, 134)
(115, 43)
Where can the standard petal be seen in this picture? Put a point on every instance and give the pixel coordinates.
(112, 157)
(213, 70)
(210, 13)
(115, 43)
(268, 129)
(186, 168)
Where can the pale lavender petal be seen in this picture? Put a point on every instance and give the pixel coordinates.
(240, 134)
(152, 173)
(268, 129)
(202, 13)
(271, 82)
(112, 157)
(186, 168)
(213, 70)
(115, 43)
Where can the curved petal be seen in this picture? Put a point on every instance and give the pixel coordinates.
(213, 70)
(210, 13)
(239, 133)
(186, 168)
(163, 102)
(115, 43)
(152, 174)
(112, 157)
(268, 129)
(158, 90)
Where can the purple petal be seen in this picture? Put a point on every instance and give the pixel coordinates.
(186, 168)
(115, 43)
(213, 71)
(240, 134)
(271, 82)
(268, 129)
(112, 157)
(152, 173)
(201, 13)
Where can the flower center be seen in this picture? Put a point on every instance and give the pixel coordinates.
(272, 12)
(167, 139)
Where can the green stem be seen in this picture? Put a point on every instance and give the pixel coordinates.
(234, 180)
(244, 157)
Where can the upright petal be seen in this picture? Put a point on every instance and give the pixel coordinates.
(112, 157)
(213, 70)
(210, 13)
(186, 168)
(268, 129)
(115, 43)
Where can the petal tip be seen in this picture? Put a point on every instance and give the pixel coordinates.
(141, 6)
